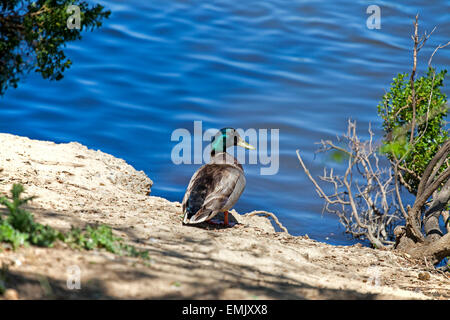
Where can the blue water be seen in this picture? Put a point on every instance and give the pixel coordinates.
(303, 67)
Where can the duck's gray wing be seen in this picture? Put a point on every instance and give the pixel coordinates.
(214, 188)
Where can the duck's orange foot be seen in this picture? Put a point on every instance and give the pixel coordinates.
(225, 222)
(225, 218)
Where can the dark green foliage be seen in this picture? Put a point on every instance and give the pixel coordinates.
(101, 237)
(33, 34)
(396, 111)
(19, 229)
(9, 234)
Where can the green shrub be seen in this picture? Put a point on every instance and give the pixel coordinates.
(19, 229)
(396, 111)
(101, 237)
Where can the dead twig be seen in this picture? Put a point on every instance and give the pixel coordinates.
(360, 196)
(441, 46)
(267, 214)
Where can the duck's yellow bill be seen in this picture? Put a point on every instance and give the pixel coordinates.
(243, 144)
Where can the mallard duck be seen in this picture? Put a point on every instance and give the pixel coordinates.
(216, 186)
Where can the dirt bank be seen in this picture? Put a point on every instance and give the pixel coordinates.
(78, 186)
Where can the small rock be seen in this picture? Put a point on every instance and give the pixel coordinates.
(11, 294)
(424, 276)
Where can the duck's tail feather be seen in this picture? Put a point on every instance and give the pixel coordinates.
(200, 216)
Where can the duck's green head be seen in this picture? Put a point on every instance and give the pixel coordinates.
(228, 137)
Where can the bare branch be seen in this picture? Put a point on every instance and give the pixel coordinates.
(428, 185)
(427, 176)
(413, 73)
(418, 44)
(268, 214)
(435, 251)
(360, 195)
(441, 46)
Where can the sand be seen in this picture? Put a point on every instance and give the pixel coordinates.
(78, 186)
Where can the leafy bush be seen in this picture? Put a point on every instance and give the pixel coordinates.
(430, 132)
(20, 229)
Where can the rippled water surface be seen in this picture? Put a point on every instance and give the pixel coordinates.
(303, 67)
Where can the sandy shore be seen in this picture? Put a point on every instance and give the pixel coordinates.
(79, 186)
